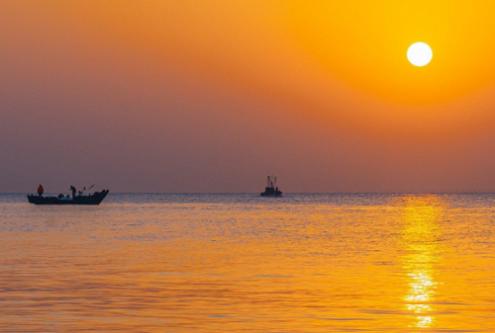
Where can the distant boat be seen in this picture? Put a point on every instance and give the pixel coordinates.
(271, 189)
(80, 199)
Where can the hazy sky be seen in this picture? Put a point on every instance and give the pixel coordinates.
(213, 95)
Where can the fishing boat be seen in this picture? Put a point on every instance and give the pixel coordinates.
(77, 198)
(271, 189)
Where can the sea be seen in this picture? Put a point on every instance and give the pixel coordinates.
(240, 263)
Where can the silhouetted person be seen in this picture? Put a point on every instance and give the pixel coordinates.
(40, 190)
(73, 190)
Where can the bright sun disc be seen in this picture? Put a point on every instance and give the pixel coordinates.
(419, 54)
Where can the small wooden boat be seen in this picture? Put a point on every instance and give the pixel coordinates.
(271, 189)
(90, 199)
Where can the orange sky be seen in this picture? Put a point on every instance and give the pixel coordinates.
(213, 95)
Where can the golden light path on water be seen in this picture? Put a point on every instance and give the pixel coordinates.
(420, 235)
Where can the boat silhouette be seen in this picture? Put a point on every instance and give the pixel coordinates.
(76, 199)
(271, 189)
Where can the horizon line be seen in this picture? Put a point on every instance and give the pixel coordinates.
(285, 193)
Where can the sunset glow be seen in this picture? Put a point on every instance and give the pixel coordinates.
(189, 88)
(224, 166)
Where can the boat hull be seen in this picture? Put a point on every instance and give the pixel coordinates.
(93, 199)
(271, 194)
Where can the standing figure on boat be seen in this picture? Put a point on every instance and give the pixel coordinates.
(40, 190)
(73, 190)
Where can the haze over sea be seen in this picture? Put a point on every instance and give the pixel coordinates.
(240, 263)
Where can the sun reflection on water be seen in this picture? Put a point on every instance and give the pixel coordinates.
(420, 234)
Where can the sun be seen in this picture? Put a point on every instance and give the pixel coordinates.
(419, 54)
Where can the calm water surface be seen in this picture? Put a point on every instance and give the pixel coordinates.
(238, 263)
